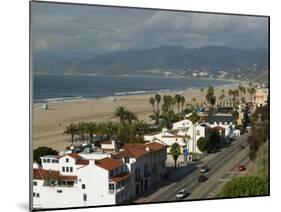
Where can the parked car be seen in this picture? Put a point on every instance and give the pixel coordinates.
(241, 146)
(202, 178)
(204, 169)
(182, 193)
(241, 168)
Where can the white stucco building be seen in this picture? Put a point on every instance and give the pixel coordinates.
(97, 178)
(226, 121)
(184, 133)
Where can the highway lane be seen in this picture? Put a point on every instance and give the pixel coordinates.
(191, 179)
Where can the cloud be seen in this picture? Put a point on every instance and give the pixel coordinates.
(94, 29)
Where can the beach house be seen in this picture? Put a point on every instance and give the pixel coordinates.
(223, 121)
(98, 178)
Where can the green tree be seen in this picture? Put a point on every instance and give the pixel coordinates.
(178, 101)
(108, 129)
(157, 99)
(262, 160)
(175, 151)
(42, 151)
(91, 129)
(81, 130)
(130, 116)
(121, 113)
(182, 101)
(214, 139)
(152, 102)
(71, 130)
(202, 95)
(203, 144)
(210, 96)
(251, 91)
(245, 186)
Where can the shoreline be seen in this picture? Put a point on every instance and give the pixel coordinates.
(49, 125)
(232, 83)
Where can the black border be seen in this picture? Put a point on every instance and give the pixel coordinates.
(130, 204)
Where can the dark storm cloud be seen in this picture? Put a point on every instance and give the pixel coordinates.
(90, 29)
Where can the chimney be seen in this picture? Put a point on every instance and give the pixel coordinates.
(147, 149)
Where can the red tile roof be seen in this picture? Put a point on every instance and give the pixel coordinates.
(109, 163)
(41, 174)
(82, 162)
(78, 159)
(155, 146)
(138, 150)
(120, 177)
(73, 155)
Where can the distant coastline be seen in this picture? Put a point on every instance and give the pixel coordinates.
(68, 87)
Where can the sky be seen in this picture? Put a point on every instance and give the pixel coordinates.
(81, 30)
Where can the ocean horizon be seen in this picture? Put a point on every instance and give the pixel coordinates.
(56, 88)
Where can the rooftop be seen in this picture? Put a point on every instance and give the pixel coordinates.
(42, 174)
(220, 118)
(109, 163)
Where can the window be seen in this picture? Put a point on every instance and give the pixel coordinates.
(85, 197)
(71, 169)
(137, 174)
(37, 195)
(44, 160)
(48, 160)
(83, 186)
(67, 169)
(54, 161)
(127, 160)
(34, 183)
(63, 169)
(111, 186)
(34, 194)
(197, 132)
(67, 160)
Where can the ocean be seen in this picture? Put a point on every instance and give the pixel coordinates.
(47, 88)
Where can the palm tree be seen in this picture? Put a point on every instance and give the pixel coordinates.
(193, 100)
(178, 101)
(121, 113)
(242, 90)
(91, 129)
(152, 102)
(230, 93)
(71, 129)
(81, 130)
(175, 151)
(108, 129)
(130, 116)
(182, 101)
(221, 98)
(210, 97)
(251, 91)
(158, 99)
(202, 96)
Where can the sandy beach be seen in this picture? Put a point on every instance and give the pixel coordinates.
(49, 125)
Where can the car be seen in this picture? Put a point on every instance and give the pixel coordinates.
(202, 178)
(241, 168)
(241, 146)
(204, 169)
(182, 193)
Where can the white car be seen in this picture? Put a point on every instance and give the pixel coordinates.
(182, 193)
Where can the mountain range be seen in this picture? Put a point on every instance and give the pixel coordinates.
(175, 59)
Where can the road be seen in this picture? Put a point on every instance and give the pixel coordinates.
(223, 166)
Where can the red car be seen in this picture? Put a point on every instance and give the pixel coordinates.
(241, 168)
